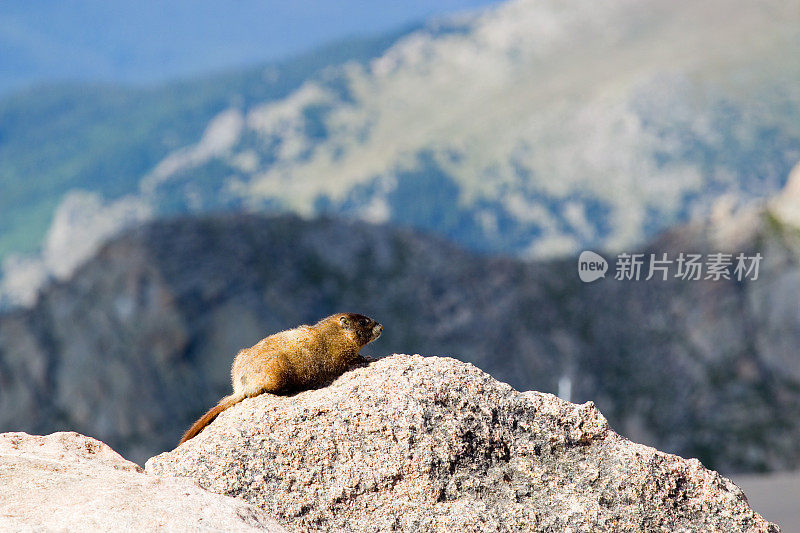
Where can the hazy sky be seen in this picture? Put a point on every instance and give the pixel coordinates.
(149, 40)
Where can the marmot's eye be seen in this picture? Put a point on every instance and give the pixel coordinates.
(362, 322)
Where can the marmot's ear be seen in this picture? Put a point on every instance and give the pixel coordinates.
(343, 320)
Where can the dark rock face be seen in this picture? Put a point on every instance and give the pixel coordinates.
(717, 357)
(433, 444)
(140, 341)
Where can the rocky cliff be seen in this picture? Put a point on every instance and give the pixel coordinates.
(420, 444)
(139, 342)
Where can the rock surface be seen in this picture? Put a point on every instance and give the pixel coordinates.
(69, 482)
(432, 444)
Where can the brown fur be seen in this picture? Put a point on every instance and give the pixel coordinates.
(295, 359)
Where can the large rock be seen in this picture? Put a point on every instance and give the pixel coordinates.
(69, 482)
(434, 444)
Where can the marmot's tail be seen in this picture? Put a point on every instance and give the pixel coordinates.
(210, 415)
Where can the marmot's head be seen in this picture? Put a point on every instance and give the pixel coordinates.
(363, 329)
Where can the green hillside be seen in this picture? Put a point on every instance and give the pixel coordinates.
(105, 138)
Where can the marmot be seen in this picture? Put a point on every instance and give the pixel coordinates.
(295, 359)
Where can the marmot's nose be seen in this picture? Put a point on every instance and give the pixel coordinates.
(377, 329)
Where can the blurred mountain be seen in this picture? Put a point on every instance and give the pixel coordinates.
(533, 128)
(719, 357)
(140, 340)
(102, 139)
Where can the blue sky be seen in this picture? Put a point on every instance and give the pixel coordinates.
(151, 40)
